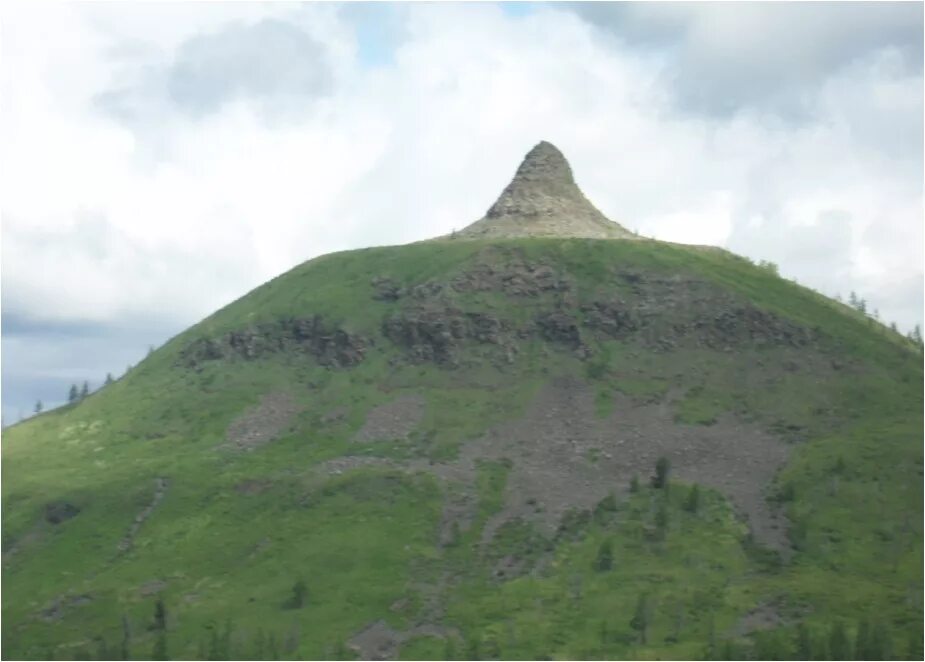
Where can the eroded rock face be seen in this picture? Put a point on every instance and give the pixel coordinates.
(518, 279)
(437, 321)
(435, 332)
(333, 347)
(562, 457)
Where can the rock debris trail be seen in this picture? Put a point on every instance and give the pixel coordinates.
(564, 456)
(160, 489)
(262, 424)
(380, 641)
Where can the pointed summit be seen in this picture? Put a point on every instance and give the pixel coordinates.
(543, 200)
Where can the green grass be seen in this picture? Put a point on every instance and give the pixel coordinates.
(365, 539)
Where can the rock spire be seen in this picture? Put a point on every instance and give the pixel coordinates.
(543, 200)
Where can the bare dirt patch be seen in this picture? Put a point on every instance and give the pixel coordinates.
(263, 423)
(565, 457)
(152, 587)
(763, 617)
(63, 603)
(380, 641)
(393, 420)
(251, 487)
(377, 641)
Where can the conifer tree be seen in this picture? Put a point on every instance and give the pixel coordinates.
(84, 390)
(160, 615)
(804, 643)
(862, 640)
(160, 647)
(692, 503)
(640, 621)
(38, 407)
(661, 519)
(660, 479)
(604, 561)
(839, 645)
(125, 652)
(73, 394)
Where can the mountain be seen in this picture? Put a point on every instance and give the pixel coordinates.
(542, 437)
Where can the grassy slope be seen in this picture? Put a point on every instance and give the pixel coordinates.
(363, 540)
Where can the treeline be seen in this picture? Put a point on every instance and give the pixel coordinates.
(856, 302)
(859, 304)
(76, 395)
(870, 640)
(152, 640)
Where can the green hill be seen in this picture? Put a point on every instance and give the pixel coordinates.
(448, 450)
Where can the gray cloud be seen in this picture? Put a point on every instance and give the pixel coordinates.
(423, 123)
(272, 63)
(769, 56)
(42, 359)
(271, 60)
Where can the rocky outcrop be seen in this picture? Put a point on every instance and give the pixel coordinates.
(434, 333)
(518, 279)
(559, 327)
(543, 200)
(262, 424)
(330, 346)
(613, 318)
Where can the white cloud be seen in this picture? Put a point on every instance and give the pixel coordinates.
(158, 211)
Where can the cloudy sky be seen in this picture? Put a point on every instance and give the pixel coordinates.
(160, 160)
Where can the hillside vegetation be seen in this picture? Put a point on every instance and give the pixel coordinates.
(449, 449)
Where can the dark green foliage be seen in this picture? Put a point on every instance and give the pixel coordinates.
(881, 642)
(371, 534)
(125, 646)
(473, 649)
(38, 407)
(299, 595)
(604, 560)
(640, 620)
(160, 647)
(729, 651)
(84, 390)
(109, 380)
(220, 643)
(73, 394)
(662, 469)
(634, 484)
(863, 641)
(605, 508)
(916, 336)
(449, 648)
(662, 519)
(839, 644)
(692, 502)
(914, 648)
(103, 652)
(770, 645)
(160, 615)
(769, 266)
(803, 647)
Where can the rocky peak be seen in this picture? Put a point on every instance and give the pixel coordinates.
(544, 200)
